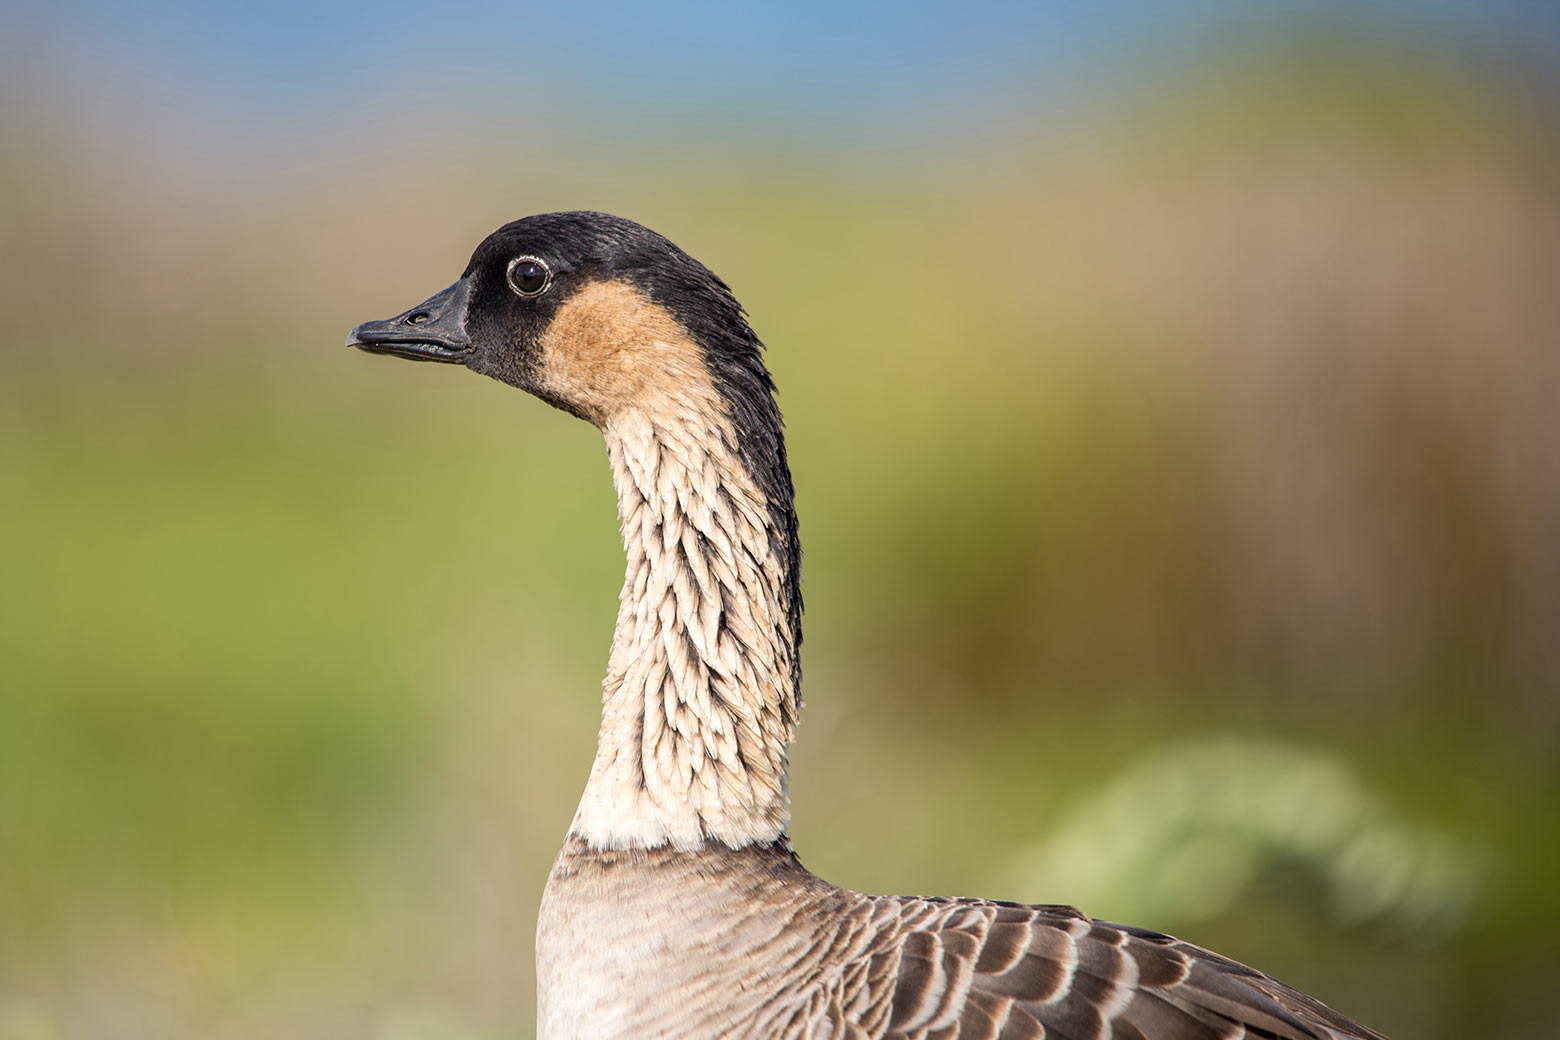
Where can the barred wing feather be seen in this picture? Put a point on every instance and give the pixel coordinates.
(982, 970)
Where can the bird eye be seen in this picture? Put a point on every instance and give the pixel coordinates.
(529, 276)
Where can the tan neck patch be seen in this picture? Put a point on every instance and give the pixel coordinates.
(610, 348)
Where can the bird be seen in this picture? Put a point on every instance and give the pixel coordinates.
(677, 906)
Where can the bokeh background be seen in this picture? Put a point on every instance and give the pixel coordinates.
(1174, 396)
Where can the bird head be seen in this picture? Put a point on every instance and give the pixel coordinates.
(593, 314)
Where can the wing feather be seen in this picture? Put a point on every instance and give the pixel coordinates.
(980, 970)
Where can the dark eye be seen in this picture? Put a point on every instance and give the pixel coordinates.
(528, 276)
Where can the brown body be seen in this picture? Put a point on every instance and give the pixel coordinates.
(746, 943)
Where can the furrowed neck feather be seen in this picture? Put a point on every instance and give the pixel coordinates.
(701, 694)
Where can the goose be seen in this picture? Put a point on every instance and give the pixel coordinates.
(677, 907)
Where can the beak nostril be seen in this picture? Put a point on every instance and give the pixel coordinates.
(418, 318)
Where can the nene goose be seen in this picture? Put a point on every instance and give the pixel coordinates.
(677, 907)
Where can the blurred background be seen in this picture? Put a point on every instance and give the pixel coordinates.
(1174, 397)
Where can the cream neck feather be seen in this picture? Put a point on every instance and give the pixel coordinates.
(699, 704)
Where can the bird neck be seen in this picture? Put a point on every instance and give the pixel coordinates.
(701, 695)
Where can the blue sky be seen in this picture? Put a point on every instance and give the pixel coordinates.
(301, 68)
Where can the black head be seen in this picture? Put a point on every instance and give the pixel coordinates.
(611, 280)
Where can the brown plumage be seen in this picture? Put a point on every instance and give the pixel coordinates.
(746, 942)
(677, 908)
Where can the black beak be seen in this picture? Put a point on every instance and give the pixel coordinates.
(434, 330)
